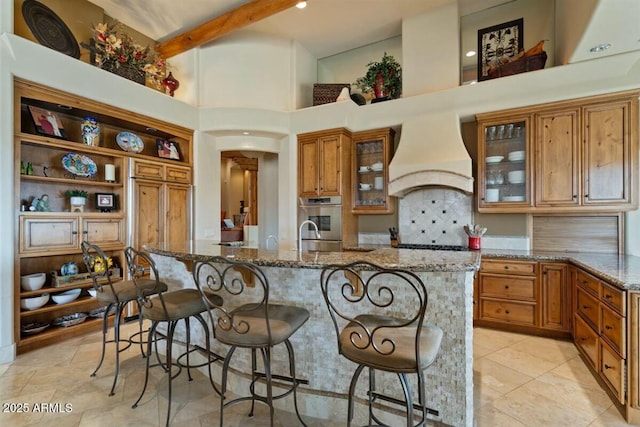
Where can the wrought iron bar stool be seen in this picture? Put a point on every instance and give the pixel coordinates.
(161, 306)
(115, 295)
(248, 320)
(378, 315)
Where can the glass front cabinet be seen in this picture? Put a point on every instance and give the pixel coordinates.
(372, 152)
(504, 159)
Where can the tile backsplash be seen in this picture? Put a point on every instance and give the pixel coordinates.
(434, 216)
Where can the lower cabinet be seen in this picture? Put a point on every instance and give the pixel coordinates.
(525, 294)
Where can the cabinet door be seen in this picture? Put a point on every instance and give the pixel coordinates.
(607, 154)
(48, 234)
(557, 159)
(177, 228)
(177, 174)
(371, 155)
(504, 158)
(148, 212)
(330, 163)
(308, 172)
(148, 170)
(586, 340)
(556, 302)
(104, 232)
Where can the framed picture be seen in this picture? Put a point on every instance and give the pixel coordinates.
(105, 202)
(498, 42)
(168, 149)
(47, 122)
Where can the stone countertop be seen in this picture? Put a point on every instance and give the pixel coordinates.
(414, 260)
(619, 270)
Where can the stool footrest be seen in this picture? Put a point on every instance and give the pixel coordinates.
(397, 401)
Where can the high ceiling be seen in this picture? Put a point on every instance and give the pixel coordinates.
(324, 27)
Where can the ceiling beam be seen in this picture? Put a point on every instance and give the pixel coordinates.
(226, 23)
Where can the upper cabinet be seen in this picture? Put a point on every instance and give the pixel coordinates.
(324, 162)
(504, 159)
(372, 151)
(582, 157)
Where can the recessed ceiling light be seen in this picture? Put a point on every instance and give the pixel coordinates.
(301, 4)
(600, 47)
(470, 53)
(245, 133)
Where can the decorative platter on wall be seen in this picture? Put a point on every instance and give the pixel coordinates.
(79, 165)
(49, 29)
(130, 142)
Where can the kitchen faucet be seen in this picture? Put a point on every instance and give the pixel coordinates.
(308, 221)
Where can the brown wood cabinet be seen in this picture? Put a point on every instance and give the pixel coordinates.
(371, 155)
(50, 237)
(525, 295)
(324, 163)
(162, 213)
(584, 156)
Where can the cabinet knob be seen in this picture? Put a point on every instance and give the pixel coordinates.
(586, 307)
(607, 366)
(506, 311)
(583, 339)
(608, 328)
(586, 196)
(608, 296)
(74, 232)
(506, 267)
(506, 286)
(575, 196)
(85, 232)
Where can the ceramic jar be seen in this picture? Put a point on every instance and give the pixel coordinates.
(90, 131)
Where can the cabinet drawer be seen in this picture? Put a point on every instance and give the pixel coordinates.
(511, 267)
(612, 329)
(614, 297)
(612, 370)
(586, 340)
(48, 234)
(589, 307)
(148, 170)
(588, 282)
(511, 287)
(174, 174)
(510, 312)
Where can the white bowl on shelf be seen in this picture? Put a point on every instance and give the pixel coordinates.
(67, 296)
(516, 177)
(92, 292)
(33, 282)
(516, 156)
(376, 166)
(494, 159)
(365, 187)
(34, 303)
(364, 169)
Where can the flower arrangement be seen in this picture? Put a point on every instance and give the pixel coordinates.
(112, 49)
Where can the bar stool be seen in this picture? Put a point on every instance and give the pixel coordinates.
(116, 295)
(378, 316)
(158, 306)
(249, 320)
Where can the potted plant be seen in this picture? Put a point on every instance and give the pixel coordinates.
(383, 78)
(77, 197)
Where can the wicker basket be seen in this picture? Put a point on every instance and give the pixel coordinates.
(522, 65)
(126, 71)
(80, 278)
(325, 93)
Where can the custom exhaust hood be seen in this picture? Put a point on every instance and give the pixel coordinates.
(430, 153)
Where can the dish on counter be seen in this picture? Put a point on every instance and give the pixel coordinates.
(79, 165)
(494, 159)
(70, 320)
(130, 142)
(34, 328)
(513, 199)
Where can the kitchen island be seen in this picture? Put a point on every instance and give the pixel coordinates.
(295, 279)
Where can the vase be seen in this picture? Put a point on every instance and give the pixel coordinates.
(170, 83)
(125, 70)
(90, 130)
(379, 87)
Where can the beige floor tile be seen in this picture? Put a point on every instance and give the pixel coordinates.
(610, 418)
(576, 370)
(498, 376)
(522, 361)
(496, 339)
(489, 416)
(555, 351)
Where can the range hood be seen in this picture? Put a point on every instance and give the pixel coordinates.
(430, 153)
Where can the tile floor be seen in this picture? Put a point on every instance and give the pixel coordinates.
(519, 380)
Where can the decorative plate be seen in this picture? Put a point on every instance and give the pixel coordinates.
(49, 29)
(79, 165)
(34, 328)
(130, 142)
(99, 312)
(70, 320)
